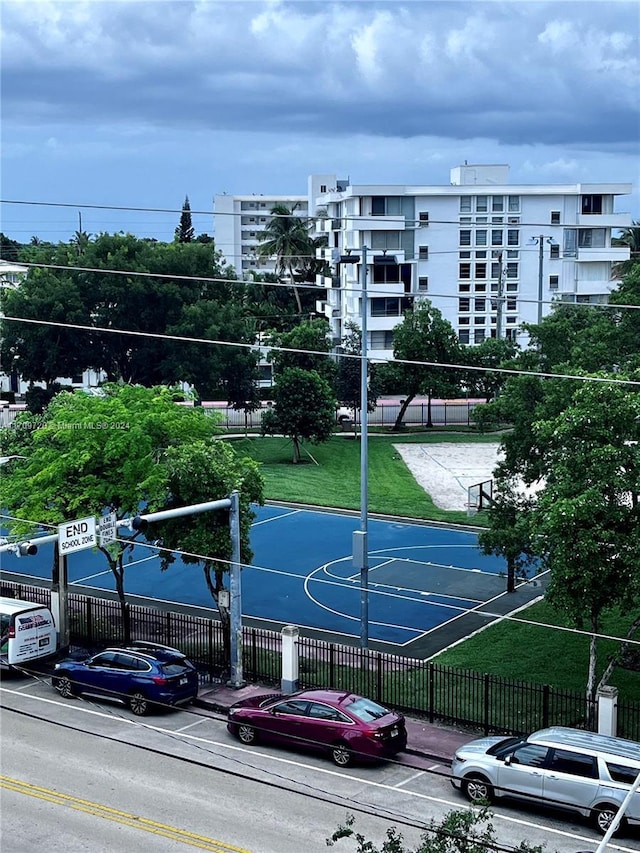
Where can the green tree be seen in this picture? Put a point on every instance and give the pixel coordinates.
(349, 379)
(508, 534)
(306, 342)
(585, 519)
(286, 238)
(9, 249)
(628, 237)
(199, 472)
(461, 831)
(74, 468)
(41, 353)
(491, 353)
(184, 232)
(304, 408)
(425, 336)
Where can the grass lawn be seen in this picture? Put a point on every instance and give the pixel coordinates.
(335, 480)
(541, 655)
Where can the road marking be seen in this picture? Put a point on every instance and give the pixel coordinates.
(318, 770)
(124, 818)
(410, 779)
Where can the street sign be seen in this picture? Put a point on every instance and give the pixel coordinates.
(77, 535)
(107, 528)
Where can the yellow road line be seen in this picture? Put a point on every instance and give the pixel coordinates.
(124, 818)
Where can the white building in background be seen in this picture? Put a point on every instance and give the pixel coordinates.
(487, 254)
(238, 221)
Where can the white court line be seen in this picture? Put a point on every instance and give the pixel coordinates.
(275, 518)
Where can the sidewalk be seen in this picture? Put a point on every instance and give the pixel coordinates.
(430, 741)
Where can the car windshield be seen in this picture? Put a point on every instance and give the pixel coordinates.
(504, 747)
(174, 668)
(366, 710)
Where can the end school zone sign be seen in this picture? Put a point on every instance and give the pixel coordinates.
(77, 535)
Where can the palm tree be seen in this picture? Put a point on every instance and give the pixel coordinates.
(286, 238)
(628, 237)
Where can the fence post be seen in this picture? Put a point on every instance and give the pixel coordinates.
(486, 703)
(379, 678)
(332, 665)
(431, 691)
(89, 619)
(545, 705)
(168, 634)
(607, 710)
(290, 659)
(445, 412)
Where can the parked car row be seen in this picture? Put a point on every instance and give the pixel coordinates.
(570, 769)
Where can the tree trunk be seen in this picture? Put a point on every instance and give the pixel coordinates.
(225, 619)
(591, 677)
(429, 423)
(403, 408)
(511, 575)
(117, 568)
(296, 450)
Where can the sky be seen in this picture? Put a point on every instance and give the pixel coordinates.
(139, 103)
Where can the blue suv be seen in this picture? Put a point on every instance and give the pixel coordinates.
(139, 675)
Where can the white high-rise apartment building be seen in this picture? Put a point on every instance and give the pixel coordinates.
(239, 219)
(487, 254)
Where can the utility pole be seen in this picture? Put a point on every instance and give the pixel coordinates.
(500, 299)
(540, 241)
(360, 537)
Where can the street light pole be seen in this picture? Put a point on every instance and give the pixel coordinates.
(540, 240)
(364, 473)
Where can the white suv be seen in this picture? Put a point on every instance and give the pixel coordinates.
(561, 767)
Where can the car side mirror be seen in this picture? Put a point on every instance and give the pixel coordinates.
(508, 759)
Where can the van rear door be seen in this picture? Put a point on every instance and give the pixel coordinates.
(32, 635)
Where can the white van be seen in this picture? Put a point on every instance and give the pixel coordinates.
(27, 632)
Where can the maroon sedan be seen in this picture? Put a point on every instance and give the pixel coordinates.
(345, 725)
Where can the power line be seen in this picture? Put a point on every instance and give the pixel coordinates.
(377, 360)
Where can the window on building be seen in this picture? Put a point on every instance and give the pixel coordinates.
(482, 204)
(512, 270)
(481, 270)
(511, 319)
(553, 282)
(513, 237)
(513, 253)
(463, 321)
(478, 336)
(464, 271)
(497, 220)
(464, 219)
(464, 255)
(423, 253)
(554, 250)
(423, 283)
(481, 220)
(464, 288)
(480, 288)
(381, 339)
(591, 204)
(385, 306)
(570, 243)
(386, 273)
(323, 188)
(465, 237)
(512, 304)
(512, 287)
(481, 254)
(463, 336)
(495, 269)
(591, 238)
(555, 217)
(378, 205)
(465, 204)
(479, 320)
(481, 237)
(497, 203)
(514, 203)
(479, 305)
(464, 304)
(496, 236)
(424, 218)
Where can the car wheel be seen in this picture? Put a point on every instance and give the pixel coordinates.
(603, 816)
(247, 734)
(64, 685)
(477, 789)
(341, 755)
(139, 704)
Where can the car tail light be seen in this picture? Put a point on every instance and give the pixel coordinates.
(159, 679)
(375, 733)
(12, 632)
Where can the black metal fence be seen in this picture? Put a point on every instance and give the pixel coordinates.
(423, 688)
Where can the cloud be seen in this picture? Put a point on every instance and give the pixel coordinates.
(508, 71)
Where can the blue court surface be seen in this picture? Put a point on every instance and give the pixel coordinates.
(421, 577)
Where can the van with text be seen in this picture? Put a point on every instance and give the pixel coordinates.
(27, 632)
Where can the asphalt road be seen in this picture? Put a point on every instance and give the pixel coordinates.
(78, 775)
